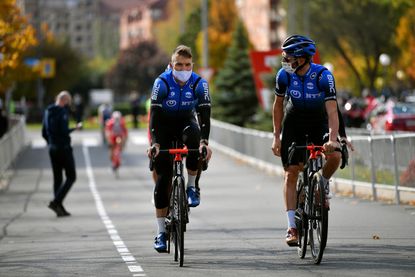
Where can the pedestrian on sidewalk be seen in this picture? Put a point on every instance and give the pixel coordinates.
(56, 132)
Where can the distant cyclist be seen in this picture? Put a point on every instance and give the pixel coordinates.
(311, 110)
(104, 114)
(177, 95)
(115, 129)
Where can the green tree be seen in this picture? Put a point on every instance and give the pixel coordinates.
(136, 69)
(360, 31)
(193, 24)
(235, 100)
(69, 69)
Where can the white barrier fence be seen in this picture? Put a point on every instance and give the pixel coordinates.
(12, 143)
(381, 167)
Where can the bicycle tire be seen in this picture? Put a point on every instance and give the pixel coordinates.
(180, 222)
(174, 218)
(301, 219)
(318, 219)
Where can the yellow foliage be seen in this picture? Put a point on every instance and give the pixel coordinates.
(405, 38)
(222, 15)
(16, 37)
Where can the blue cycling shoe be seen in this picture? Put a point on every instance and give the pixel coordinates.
(193, 197)
(160, 243)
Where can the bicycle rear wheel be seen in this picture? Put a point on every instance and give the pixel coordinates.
(318, 219)
(300, 218)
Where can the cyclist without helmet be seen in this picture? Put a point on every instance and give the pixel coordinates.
(311, 110)
(177, 95)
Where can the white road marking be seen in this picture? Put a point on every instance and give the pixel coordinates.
(122, 249)
(38, 143)
(90, 141)
(140, 140)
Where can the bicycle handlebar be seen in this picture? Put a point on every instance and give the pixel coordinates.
(179, 151)
(318, 149)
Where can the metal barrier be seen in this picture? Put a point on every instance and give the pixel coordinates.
(12, 143)
(382, 166)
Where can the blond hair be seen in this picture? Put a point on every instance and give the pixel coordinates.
(181, 50)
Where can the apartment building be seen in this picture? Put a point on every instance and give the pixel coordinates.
(137, 21)
(263, 21)
(89, 26)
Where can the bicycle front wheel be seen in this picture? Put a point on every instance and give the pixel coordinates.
(318, 220)
(300, 218)
(180, 219)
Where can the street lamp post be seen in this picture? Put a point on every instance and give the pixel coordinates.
(385, 61)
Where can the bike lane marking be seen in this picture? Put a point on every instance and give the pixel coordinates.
(122, 249)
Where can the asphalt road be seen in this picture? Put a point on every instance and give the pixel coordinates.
(238, 230)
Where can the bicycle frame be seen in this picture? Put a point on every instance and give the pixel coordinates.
(116, 153)
(311, 213)
(178, 214)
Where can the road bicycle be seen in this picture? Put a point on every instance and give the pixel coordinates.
(116, 154)
(312, 210)
(178, 210)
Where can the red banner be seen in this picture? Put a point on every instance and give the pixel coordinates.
(267, 62)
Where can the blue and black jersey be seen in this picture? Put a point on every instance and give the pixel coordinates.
(307, 94)
(172, 103)
(177, 101)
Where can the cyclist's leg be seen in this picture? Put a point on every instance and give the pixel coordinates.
(291, 132)
(332, 160)
(163, 167)
(191, 137)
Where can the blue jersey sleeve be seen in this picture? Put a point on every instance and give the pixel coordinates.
(158, 93)
(327, 85)
(281, 83)
(202, 93)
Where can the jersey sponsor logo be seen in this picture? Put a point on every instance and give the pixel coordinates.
(186, 103)
(331, 83)
(155, 92)
(310, 85)
(295, 94)
(206, 91)
(171, 103)
(188, 94)
(312, 95)
(313, 75)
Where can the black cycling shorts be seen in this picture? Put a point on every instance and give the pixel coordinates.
(301, 133)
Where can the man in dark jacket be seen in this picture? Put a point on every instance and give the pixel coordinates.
(57, 135)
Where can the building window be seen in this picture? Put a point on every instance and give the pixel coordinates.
(135, 15)
(156, 14)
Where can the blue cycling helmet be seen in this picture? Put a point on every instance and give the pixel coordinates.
(299, 46)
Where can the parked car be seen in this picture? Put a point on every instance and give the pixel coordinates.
(392, 116)
(357, 110)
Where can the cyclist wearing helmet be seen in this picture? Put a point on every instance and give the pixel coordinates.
(115, 128)
(177, 95)
(311, 109)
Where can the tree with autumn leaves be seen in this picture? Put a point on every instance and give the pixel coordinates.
(16, 36)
